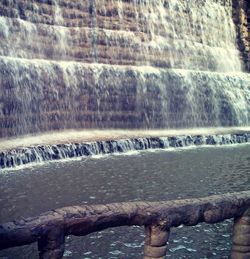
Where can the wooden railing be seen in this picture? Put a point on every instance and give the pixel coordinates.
(50, 228)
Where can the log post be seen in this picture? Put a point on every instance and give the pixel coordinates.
(155, 242)
(241, 237)
(51, 245)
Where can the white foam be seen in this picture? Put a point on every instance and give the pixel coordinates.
(79, 136)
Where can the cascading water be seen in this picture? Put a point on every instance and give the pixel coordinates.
(119, 64)
(144, 64)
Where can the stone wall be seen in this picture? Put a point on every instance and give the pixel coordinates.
(241, 14)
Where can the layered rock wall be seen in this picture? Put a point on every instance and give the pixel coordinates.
(241, 14)
(121, 64)
(196, 35)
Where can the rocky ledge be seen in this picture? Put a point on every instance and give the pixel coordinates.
(41, 153)
(241, 15)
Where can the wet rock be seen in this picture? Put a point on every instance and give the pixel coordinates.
(108, 44)
(199, 140)
(41, 153)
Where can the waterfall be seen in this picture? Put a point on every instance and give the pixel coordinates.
(119, 64)
(177, 34)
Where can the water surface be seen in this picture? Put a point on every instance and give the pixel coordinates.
(151, 175)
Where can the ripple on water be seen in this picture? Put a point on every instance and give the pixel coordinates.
(149, 176)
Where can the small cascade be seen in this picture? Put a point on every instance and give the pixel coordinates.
(42, 153)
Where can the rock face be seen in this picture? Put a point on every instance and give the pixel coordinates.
(122, 64)
(198, 35)
(241, 15)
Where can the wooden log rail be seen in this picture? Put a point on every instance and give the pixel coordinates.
(50, 228)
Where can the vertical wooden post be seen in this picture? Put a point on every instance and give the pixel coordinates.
(241, 237)
(51, 245)
(155, 242)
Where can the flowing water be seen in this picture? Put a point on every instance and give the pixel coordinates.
(195, 35)
(152, 176)
(70, 64)
(41, 153)
(119, 64)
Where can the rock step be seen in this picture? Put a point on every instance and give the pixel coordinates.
(42, 153)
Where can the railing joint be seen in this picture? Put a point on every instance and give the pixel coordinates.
(51, 244)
